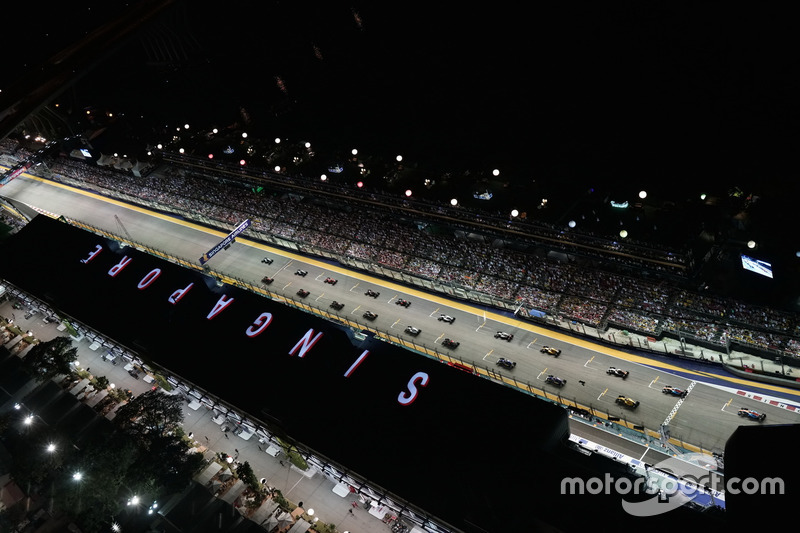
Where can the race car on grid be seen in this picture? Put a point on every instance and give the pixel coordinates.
(404, 303)
(674, 391)
(336, 305)
(503, 335)
(369, 315)
(372, 293)
(617, 372)
(550, 351)
(302, 293)
(555, 380)
(411, 330)
(752, 415)
(448, 343)
(506, 363)
(627, 402)
(331, 281)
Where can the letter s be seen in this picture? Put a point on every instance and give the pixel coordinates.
(406, 399)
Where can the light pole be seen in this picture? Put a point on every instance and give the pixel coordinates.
(78, 477)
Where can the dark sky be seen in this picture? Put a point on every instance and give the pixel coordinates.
(679, 98)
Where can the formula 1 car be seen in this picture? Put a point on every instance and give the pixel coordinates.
(267, 280)
(267, 261)
(300, 272)
(372, 293)
(369, 315)
(550, 351)
(752, 415)
(411, 330)
(447, 318)
(617, 372)
(503, 335)
(331, 281)
(627, 402)
(336, 305)
(555, 380)
(448, 343)
(680, 393)
(302, 293)
(506, 363)
(404, 303)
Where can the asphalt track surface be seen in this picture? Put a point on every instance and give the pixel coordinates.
(705, 418)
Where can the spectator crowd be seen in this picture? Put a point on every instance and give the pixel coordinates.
(585, 288)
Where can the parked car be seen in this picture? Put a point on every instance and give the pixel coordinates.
(449, 343)
(267, 280)
(372, 293)
(617, 372)
(504, 336)
(369, 315)
(331, 281)
(674, 391)
(336, 305)
(302, 293)
(555, 380)
(300, 272)
(447, 318)
(411, 330)
(550, 351)
(267, 261)
(506, 363)
(627, 402)
(752, 415)
(404, 303)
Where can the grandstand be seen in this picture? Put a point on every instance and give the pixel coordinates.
(531, 267)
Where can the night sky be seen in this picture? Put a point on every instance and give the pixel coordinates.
(579, 101)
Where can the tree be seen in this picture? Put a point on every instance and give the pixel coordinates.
(246, 474)
(150, 415)
(49, 359)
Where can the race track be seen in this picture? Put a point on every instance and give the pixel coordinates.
(705, 418)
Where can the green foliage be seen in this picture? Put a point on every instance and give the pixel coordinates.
(294, 455)
(246, 474)
(150, 414)
(282, 502)
(49, 359)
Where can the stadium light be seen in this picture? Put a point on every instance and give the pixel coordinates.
(399, 158)
(571, 224)
(623, 233)
(277, 140)
(277, 168)
(514, 213)
(308, 145)
(360, 184)
(495, 172)
(244, 135)
(323, 177)
(408, 192)
(354, 151)
(751, 244)
(642, 194)
(241, 162)
(454, 202)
